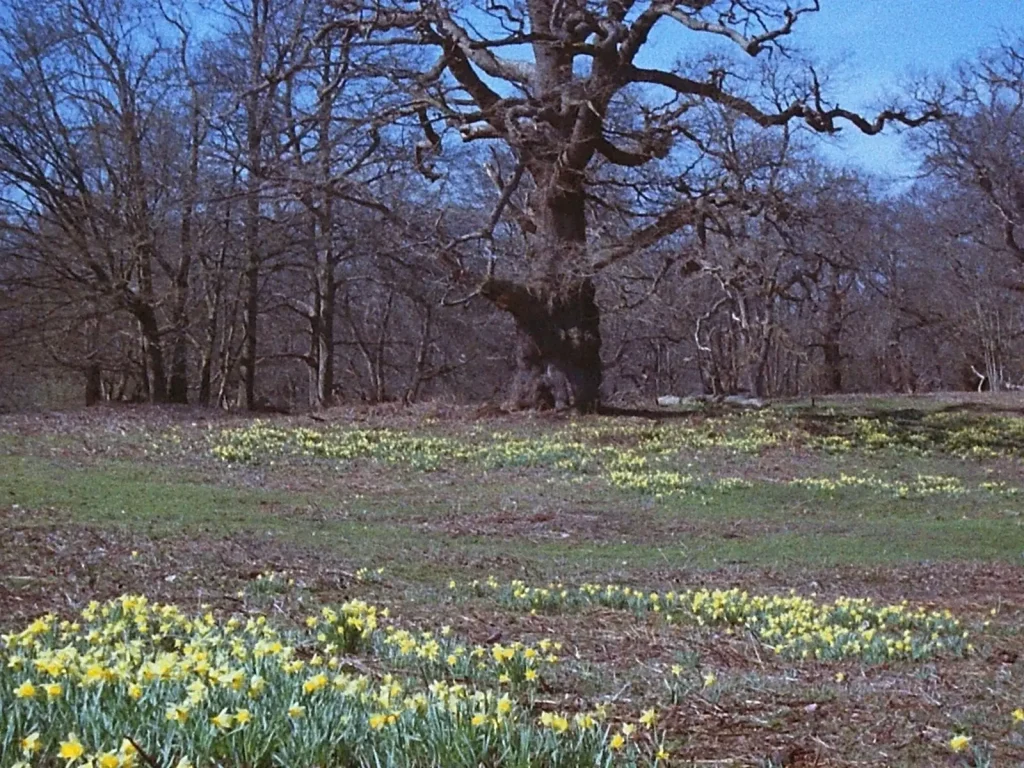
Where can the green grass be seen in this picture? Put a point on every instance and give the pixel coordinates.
(768, 525)
(147, 496)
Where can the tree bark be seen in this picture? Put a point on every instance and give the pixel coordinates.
(326, 258)
(831, 346)
(558, 343)
(93, 371)
(254, 171)
(154, 371)
(558, 323)
(177, 390)
(325, 340)
(251, 307)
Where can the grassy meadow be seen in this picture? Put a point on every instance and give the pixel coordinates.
(835, 583)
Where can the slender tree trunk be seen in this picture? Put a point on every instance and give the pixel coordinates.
(205, 376)
(991, 344)
(753, 342)
(93, 384)
(254, 144)
(378, 362)
(831, 343)
(412, 392)
(209, 353)
(325, 340)
(93, 372)
(155, 372)
(229, 355)
(177, 391)
(251, 306)
(326, 256)
(325, 285)
(213, 293)
(142, 302)
(313, 358)
(177, 388)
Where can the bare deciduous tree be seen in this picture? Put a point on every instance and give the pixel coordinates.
(578, 113)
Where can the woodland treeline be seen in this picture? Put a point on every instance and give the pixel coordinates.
(243, 203)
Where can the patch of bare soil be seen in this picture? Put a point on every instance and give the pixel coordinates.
(541, 522)
(48, 564)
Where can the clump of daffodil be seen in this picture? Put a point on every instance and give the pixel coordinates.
(792, 625)
(235, 685)
(632, 458)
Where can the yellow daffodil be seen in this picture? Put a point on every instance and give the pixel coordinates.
(315, 683)
(960, 742)
(30, 744)
(128, 753)
(71, 749)
(556, 722)
(177, 713)
(256, 685)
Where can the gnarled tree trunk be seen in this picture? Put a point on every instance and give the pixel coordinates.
(558, 343)
(558, 323)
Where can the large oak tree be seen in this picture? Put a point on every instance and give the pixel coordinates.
(592, 131)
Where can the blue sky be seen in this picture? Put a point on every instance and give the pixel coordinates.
(867, 48)
(879, 43)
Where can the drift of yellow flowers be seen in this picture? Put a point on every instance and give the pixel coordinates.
(793, 626)
(238, 686)
(640, 459)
